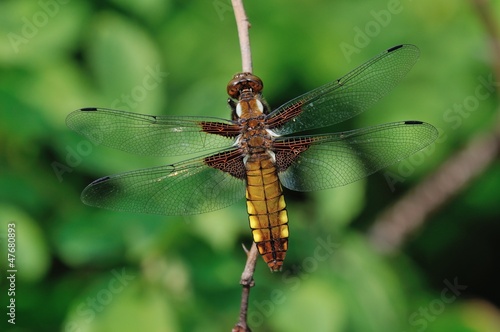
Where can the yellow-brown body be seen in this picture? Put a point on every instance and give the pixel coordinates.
(265, 202)
(267, 210)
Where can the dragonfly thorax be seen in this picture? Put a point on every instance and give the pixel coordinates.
(250, 109)
(255, 138)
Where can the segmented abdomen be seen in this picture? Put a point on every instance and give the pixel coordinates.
(267, 210)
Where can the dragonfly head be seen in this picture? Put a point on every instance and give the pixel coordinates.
(244, 83)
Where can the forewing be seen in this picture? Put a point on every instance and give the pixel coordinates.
(190, 187)
(152, 135)
(346, 97)
(319, 162)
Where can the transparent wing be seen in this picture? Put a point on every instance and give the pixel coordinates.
(152, 135)
(346, 97)
(334, 160)
(189, 187)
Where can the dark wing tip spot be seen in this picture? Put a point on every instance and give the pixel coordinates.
(413, 122)
(88, 109)
(394, 48)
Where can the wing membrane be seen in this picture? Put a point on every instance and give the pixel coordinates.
(189, 187)
(348, 96)
(147, 134)
(338, 159)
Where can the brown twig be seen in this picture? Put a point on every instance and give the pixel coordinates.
(246, 280)
(395, 224)
(243, 36)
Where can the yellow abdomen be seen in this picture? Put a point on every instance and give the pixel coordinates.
(267, 210)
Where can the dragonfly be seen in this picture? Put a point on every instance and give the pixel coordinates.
(257, 152)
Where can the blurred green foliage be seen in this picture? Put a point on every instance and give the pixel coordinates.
(84, 269)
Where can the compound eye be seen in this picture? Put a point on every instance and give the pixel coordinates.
(233, 89)
(243, 81)
(256, 84)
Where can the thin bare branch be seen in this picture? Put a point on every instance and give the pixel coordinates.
(247, 282)
(243, 25)
(394, 225)
(247, 276)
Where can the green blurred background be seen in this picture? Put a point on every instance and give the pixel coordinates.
(85, 269)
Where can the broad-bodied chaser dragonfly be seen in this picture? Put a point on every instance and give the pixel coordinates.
(255, 153)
